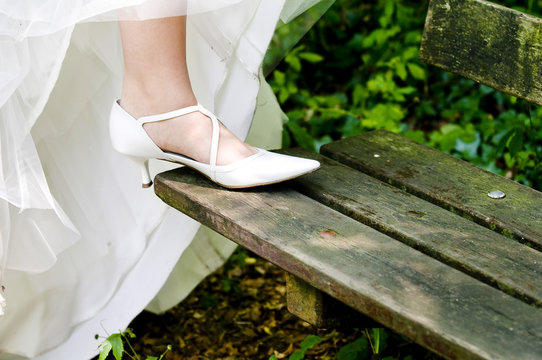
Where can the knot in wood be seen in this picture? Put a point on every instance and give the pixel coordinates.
(327, 234)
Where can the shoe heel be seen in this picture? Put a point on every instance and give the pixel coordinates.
(146, 180)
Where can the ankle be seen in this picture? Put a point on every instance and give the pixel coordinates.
(141, 98)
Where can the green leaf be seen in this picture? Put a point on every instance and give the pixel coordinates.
(379, 84)
(279, 77)
(509, 160)
(416, 71)
(356, 350)
(359, 94)
(388, 11)
(118, 347)
(526, 159)
(333, 113)
(311, 57)
(226, 284)
(410, 53)
(450, 128)
(385, 116)
(379, 337)
(407, 90)
(151, 358)
(351, 127)
(385, 19)
(310, 341)
(293, 61)
(326, 139)
(292, 88)
(515, 144)
(397, 96)
(208, 301)
(450, 134)
(273, 357)
(375, 334)
(400, 70)
(503, 142)
(486, 89)
(286, 141)
(283, 95)
(106, 349)
(413, 37)
(301, 136)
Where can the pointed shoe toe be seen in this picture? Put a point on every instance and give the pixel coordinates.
(264, 168)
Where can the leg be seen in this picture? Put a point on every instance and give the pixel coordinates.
(156, 80)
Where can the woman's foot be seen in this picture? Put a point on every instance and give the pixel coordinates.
(190, 134)
(262, 168)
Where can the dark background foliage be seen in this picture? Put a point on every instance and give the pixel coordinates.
(357, 70)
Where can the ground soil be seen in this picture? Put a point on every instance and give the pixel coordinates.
(239, 312)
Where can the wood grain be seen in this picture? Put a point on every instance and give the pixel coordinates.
(431, 303)
(447, 181)
(463, 244)
(486, 42)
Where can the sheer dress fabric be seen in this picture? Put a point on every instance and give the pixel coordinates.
(83, 249)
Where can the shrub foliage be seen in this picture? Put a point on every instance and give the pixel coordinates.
(358, 69)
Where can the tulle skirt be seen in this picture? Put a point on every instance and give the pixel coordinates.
(83, 249)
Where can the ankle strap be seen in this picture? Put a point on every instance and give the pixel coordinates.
(169, 114)
(187, 110)
(214, 139)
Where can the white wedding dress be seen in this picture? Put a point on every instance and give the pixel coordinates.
(83, 249)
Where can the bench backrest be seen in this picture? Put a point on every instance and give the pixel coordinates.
(487, 43)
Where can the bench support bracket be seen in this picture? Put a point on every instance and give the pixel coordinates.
(319, 309)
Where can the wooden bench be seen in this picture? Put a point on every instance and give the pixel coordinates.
(400, 232)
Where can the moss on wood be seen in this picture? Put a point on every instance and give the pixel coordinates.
(488, 43)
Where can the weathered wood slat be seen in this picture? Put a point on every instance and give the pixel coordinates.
(478, 251)
(486, 42)
(432, 303)
(446, 181)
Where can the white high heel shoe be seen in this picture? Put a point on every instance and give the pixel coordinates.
(130, 138)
